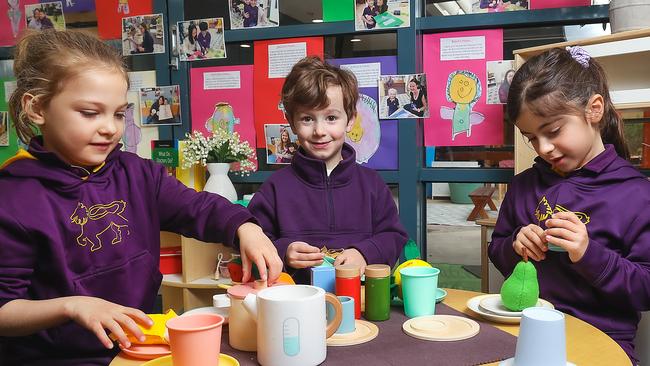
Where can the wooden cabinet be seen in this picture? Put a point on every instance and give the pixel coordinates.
(196, 285)
(624, 57)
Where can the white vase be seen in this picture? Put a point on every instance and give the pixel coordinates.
(219, 182)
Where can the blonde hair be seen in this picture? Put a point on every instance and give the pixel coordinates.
(45, 60)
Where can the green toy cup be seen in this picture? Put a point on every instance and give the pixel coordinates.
(419, 286)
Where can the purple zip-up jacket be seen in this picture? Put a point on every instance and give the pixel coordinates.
(610, 285)
(64, 232)
(352, 208)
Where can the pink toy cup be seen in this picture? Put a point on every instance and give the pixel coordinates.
(195, 339)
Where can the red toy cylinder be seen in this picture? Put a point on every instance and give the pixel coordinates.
(348, 283)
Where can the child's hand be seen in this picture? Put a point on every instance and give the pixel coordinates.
(533, 238)
(99, 315)
(302, 255)
(351, 256)
(256, 247)
(567, 231)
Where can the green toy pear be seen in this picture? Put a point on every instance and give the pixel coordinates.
(521, 289)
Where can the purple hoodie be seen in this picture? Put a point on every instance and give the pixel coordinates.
(352, 208)
(610, 285)
(64, 232)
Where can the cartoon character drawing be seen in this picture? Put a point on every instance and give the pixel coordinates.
(464, 89)
(356, 133)
(223, 117)
(132, 132)
(365, 134)
(15, 15)
(83, 216)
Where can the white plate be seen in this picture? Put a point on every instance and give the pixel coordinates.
(473, 305)
(210, 310)
(494, 304)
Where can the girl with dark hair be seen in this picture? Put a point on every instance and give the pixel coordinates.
(581, 212)
(418, 96)
(191, 47)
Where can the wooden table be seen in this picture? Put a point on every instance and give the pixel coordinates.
(586, 345)
(487, 226)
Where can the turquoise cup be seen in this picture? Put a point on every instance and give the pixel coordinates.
(419, 285)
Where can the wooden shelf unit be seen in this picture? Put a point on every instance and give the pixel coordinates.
(622, 55)
(196, 285)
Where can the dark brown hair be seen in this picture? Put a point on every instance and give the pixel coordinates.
(306, 87)
(555, 83)
(45, 60)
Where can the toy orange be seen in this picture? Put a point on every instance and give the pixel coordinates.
(408, 263)
(286, 278)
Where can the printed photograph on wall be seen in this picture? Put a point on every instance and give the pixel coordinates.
(403, 96)
(281, 143)
(160, 106)
(143, 35)
(45, 16)
(381, 14)
(460, 7)
(254, 13)
(201, 39)
(4, 128)
(499, 76)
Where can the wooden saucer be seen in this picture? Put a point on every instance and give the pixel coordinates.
(441, 328)
(364, 331)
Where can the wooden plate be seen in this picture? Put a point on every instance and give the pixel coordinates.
(441, 328)
(364, 331)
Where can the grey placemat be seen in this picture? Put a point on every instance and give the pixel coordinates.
(393, 347)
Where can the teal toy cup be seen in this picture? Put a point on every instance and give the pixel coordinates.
(348, 323)
(419, 286)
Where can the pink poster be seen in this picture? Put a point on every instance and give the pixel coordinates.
(12, 20)
(222, 96)
(455, 65)
(544, 4)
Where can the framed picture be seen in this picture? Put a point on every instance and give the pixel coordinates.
(143, 35)
(4, 128)
(201, 39)
(160, 106)
(403, 96)
(254, 13)
(499, 76)
(281, 143)
(45, 16)
(381, 14)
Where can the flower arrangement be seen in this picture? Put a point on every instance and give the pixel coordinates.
(221, 147)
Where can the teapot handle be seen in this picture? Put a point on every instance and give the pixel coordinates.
(333, 325)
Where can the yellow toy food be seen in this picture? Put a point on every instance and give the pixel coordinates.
(155, 334)
(408, 263)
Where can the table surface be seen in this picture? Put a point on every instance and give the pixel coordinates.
(586, 345)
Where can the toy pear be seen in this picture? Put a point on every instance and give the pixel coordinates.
(521, 289)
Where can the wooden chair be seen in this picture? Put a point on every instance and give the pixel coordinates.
(480, 197)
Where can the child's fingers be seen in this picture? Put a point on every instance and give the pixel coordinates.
(562, 223)
(274, 265)
(309, 256)
(306, 248)
(533, 251)
(100, 333)
(563, 243)
(246, 268)
(534, 238)
(128, 324)
(567, 215)
(560, 233)
(114, 327)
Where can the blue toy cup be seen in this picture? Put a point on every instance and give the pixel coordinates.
(348, 324)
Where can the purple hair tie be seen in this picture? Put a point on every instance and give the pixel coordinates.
(580, 55)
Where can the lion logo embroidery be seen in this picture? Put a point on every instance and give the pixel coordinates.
(543, 212)
(93, 225)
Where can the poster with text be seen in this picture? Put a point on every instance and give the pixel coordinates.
(77, 6)
(110, 14)
(221, 98)
(135, 138)
(381, 14)
(375, 148)
(544, 4)
(273, 62)
(455, 64)
(12, 20)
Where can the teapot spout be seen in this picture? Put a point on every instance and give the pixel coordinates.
(250, 304)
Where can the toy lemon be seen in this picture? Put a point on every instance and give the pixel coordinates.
(408, 263)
